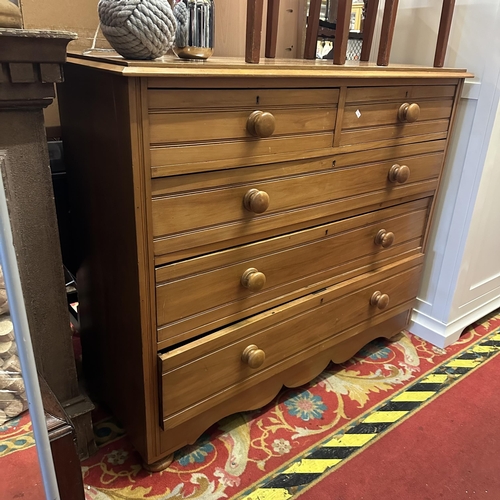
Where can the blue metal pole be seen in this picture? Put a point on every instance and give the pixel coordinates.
(24, 347)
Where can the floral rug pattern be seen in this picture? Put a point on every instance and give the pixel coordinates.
(246, 447)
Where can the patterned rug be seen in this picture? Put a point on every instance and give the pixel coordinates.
(242, 450)
(16, 435)
(240, 453)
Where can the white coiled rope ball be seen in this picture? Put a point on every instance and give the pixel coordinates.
(138, 29)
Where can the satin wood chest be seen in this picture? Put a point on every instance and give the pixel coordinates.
(243, 225)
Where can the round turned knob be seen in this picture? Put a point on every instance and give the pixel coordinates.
(384, 239)
(409, 112)
(256, 201)
(253, 280)
(253, 356)
(399, 173)
(380, 300)
(261, 124)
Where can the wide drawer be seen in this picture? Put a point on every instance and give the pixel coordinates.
(203, 126)
(226, 286)
(218, 366)
(189, 222)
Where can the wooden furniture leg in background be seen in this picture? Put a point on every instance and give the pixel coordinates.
(312, 29)
(62, 439)
(255, 10)
(273, 13)
(342, 31)
(387, 33)
(369, 29)
(444, 32)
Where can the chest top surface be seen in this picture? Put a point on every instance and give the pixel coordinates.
(167, 66)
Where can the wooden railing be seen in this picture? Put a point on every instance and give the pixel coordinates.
(255, 10)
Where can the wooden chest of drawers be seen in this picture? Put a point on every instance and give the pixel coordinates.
(241, 226)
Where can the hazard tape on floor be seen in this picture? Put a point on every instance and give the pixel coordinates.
(331, 452)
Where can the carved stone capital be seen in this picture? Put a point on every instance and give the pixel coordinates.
(31, 61)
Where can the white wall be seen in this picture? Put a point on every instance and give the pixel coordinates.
(478, 281)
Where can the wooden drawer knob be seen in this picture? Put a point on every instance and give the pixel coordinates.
(256, 201)
(380, 300)
(253, 280)
(409, 113)
(384, 238)
(253, 356)
(399, 173)
(261, 124)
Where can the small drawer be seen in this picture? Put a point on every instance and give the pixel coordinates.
(241, 207)
(363, 115)
(191, 130)
(217, 367)
(381, 113)
(249, 279)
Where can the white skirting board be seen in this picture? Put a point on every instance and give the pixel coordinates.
(443, 335)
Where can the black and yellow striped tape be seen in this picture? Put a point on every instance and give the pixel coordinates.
(331, 452)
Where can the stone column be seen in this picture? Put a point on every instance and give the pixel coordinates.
(30, 64)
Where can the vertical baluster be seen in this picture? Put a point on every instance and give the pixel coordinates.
(312, 29)
(255, 10)
(273, 12)
(369, 29)
(342, 31)
(444, 32)
(387, 33)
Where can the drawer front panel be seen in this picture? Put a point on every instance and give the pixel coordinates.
(365, 115)
(287, 266)
(419, 131)
(401, 93)
(186, 127)
(163, 99)
(219, 215)
(215, 364)
(203, 157)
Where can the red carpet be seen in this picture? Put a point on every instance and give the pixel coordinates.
(20, 477)
(449, 450)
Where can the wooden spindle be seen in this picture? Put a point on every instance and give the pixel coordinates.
(312, 29)
(255, 10)
(387, 33)
(342, 31)
(273, 12)
(444, 32)
(369, 29)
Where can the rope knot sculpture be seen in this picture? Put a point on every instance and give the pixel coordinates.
(138, 29)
